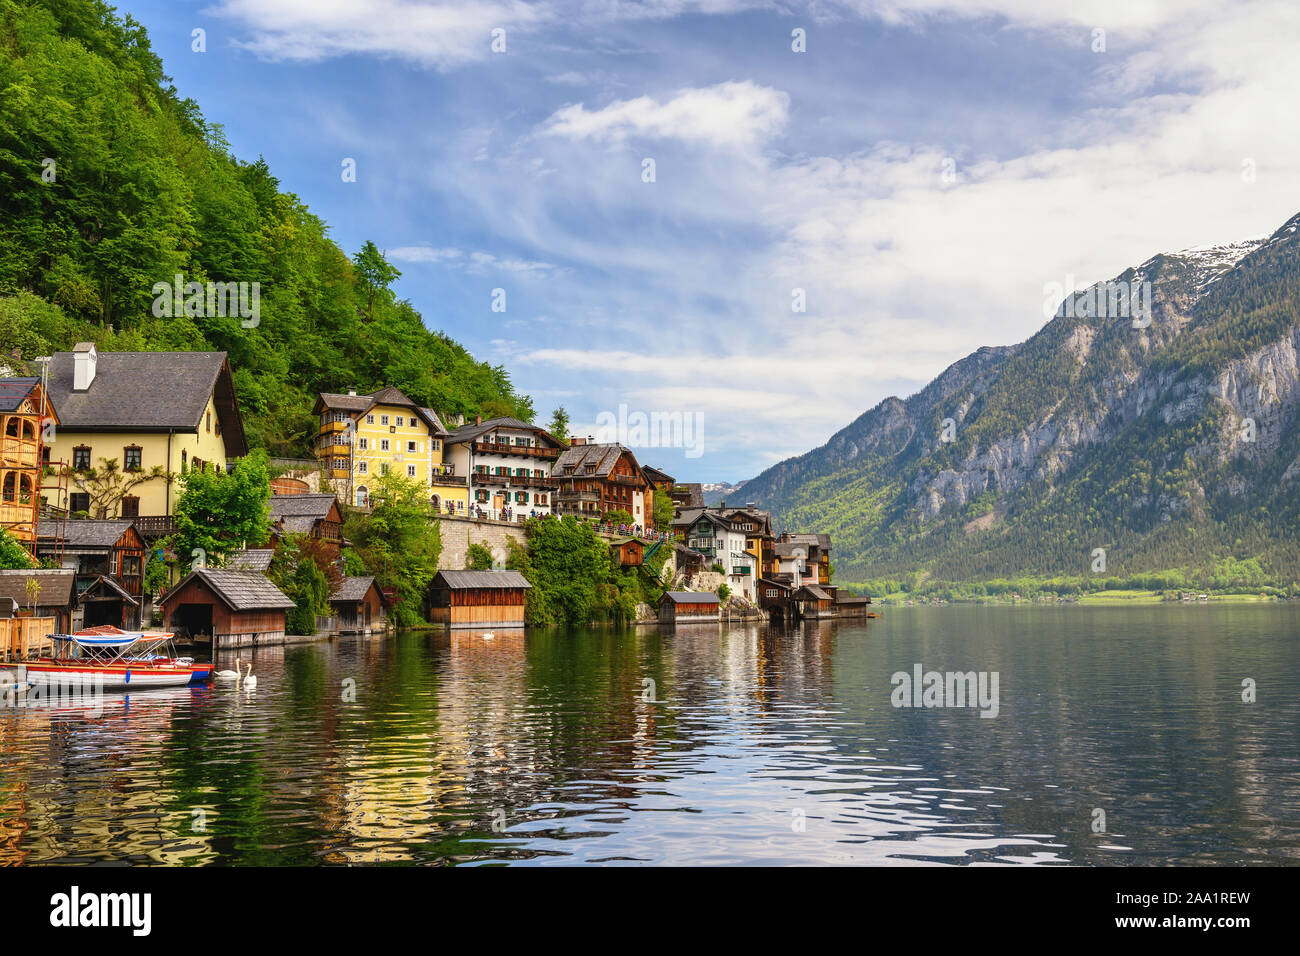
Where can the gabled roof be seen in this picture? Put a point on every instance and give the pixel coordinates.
(602, 458)
(713, 517)
(354, 589)
(815, 591)
(56, 587)
(656, 476)
(299, 513)
(149, 391)
(471, 432)
(690, 597)
(693, 492)
(787, 549)
(251, 559)
(481, 579)
(106, 582)
(14, 391)
(781, 581)
(822, 541)
(360, 404)
(686, 517)
(88, 533)
(238, 590)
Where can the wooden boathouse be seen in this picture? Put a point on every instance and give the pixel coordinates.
(359, 606)
(235, 608)
(478, 598)
(29, 614)
(688, 607)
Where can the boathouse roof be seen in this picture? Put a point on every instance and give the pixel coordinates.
(238, 590)
(251, 559)
(691, 597)
(90, 533)
(353, 589)
(481, 579)
(56, 587)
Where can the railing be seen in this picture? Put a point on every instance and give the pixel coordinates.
(154, 526)
(501, 448)
(439, 479)
(522, 481)
(562, 495)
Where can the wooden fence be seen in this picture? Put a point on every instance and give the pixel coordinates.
(24, 637)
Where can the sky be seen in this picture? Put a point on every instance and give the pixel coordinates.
(756, 218)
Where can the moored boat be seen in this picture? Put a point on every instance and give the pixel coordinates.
(108, 658)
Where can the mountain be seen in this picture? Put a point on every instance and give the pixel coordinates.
(1091, 434)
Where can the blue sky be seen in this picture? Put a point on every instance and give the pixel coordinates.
(920, 172)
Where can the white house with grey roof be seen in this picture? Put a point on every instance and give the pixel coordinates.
(508, 464)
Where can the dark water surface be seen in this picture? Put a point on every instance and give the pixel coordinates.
(761, 745)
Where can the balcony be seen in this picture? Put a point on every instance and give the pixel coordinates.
(567, 496)
(154, 526)
(502, 448)
(514, 481)
(447, 481)
(626, 480)
(330, 427)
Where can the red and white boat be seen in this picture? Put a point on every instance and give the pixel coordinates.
(108, 658)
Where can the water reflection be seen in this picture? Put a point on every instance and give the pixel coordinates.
(732, 744)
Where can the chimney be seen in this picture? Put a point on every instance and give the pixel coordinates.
(575, 440)
(83, 365)
(352, 392)
(478, 419)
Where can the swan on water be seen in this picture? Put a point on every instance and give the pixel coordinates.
(250, 680)
(229, 675)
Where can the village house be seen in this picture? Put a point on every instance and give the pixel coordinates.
(508, 464)
(477, 599)
(757, 526)
(25, 411)
(722, 542)
(169, 411)
(33, 605)
(817, 553)
(234, 608)
(592, 479)
(315, 515)
(688, 495)
(363, 437)
(108, 559)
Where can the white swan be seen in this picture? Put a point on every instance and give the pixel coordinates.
(250, 680)
(488, 635)
(230, 675)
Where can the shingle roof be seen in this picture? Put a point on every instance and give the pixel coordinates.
(148, 391)
(822, 541)
(88, 533)
(353, 589)
(390, 395)
(56, 587)
(251, 559)
(815, 591)
(13, 391)
(238, 590)
(691, 597)
(604, 456)
(313, 505)
(694, 492)
(482, 579)
(655, 475)
(470, 432)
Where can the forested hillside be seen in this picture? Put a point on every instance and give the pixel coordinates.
(111, 181)
(1174, 448)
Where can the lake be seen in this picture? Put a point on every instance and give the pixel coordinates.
(1121, 737)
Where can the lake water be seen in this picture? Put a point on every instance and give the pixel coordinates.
(758, 745)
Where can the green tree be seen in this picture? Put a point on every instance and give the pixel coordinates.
(663, 511)
(399, 541)
(478, 558)
(12, 554)
(559, 425)
(567, 562)
(220, 512)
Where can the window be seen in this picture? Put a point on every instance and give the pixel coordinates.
(130, 507)
(383, 419)
(198, 464)
(81, 458)
(435, 445)
(361, 468)
(185, 461)
(79, 501)
(541, 499)
(131, 458)
(383, 469)
(383, 444)
(400, 421)
(411, 447)
(130, 566)
(410, 471)
(363, 443)
(209, 421)
(370, 419)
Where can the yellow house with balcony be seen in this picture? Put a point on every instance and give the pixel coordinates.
(156, 414)
(363, 437)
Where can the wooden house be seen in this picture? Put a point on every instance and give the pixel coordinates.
(359, 605)
(108, 557)
(25, 411)
(234, 608)
(478, 598)
(315, 515)
(774, 596)
(686, 607)
(594, 478)
(848, 604)
(812, 601)
(29, 615)
(627, 552)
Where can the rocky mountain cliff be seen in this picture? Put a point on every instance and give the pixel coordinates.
(1153, 417)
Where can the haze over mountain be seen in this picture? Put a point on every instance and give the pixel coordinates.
(1170, 446)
